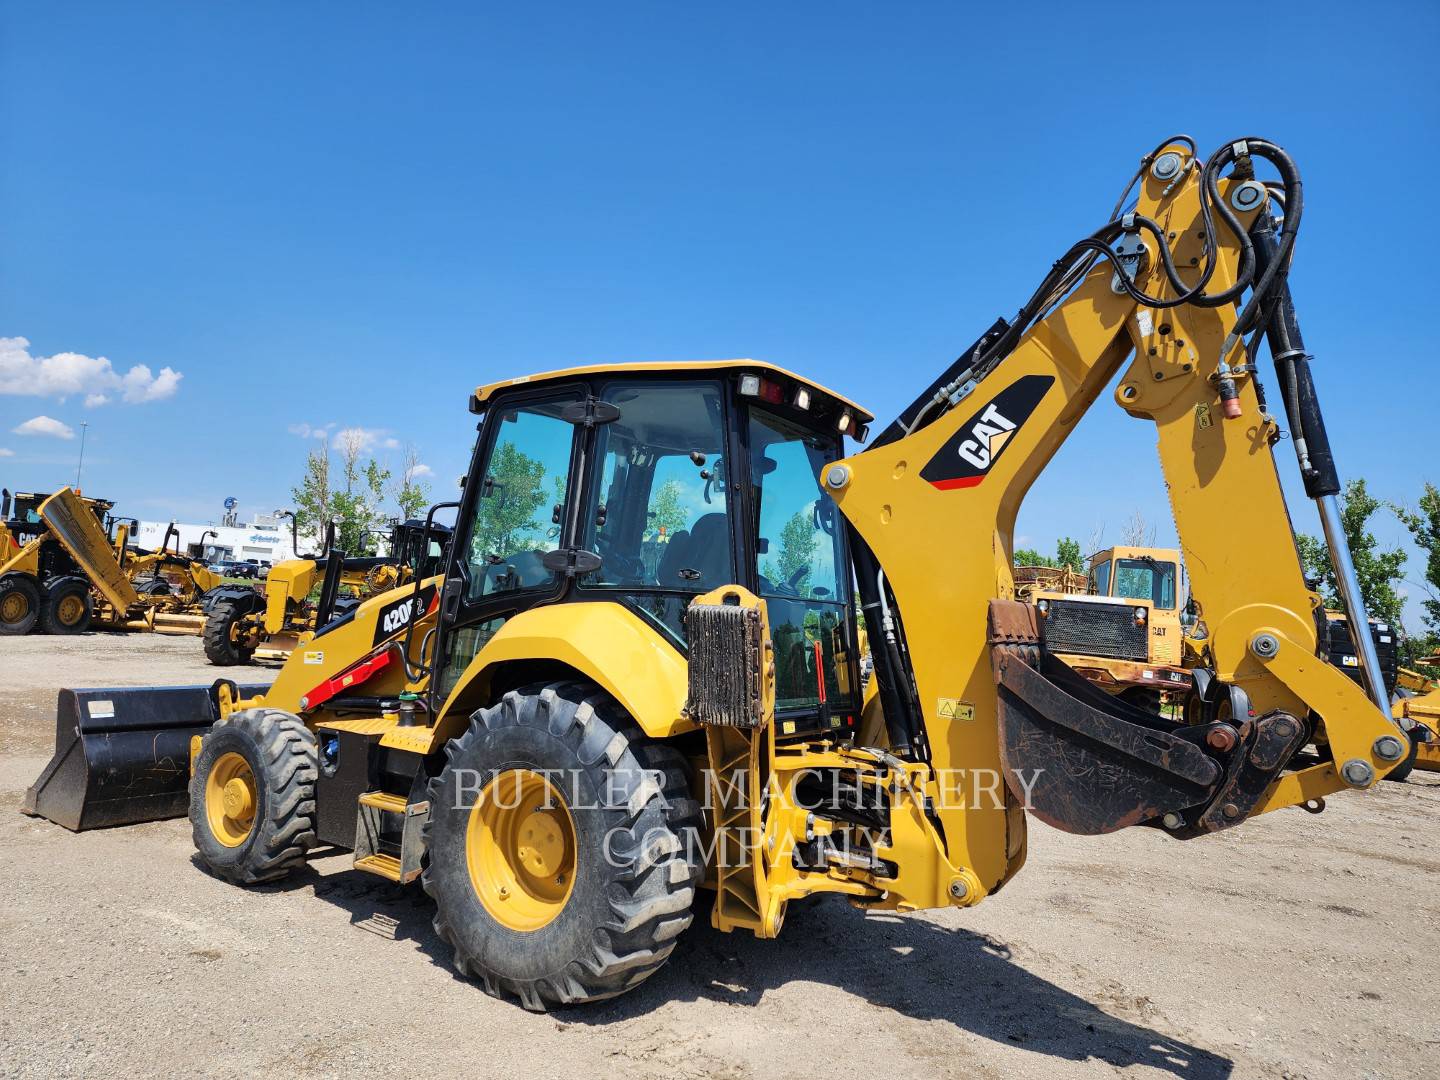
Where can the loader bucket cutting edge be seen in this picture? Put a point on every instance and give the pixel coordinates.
(122, 755)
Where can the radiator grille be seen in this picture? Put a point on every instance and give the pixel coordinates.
(726, 654)
(1108, 630)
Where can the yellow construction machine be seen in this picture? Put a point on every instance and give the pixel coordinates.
(639, 674)
(53, 553)
(301, 595)
(1122, 627)
(1417, 709)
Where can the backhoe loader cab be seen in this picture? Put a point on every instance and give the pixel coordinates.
(647, 485)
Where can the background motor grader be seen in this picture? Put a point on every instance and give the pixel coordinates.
(300, 595)
(49, 560)
(639, 670)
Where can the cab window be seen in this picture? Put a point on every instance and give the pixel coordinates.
(1146, 579)
(799, 561)
(658, 515)
(520, 504)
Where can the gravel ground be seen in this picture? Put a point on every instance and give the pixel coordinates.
(1297, 946)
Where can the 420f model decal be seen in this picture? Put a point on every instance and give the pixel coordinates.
(966, 457)
(396, 615)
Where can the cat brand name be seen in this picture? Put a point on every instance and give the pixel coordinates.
(968, 455)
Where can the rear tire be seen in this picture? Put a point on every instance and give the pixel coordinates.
(222, 645)
(67, 608)
(252, 796)
(633, 861)
(155, 587)
(19, 604)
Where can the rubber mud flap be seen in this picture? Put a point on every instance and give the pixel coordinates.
(122, 755)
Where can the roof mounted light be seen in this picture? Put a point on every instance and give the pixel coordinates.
(843, 424)
(802, 398)
(750, 385)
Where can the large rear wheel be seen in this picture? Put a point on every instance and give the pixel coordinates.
(67, 607)
(252, 795)
(563, 848)
(19, 604)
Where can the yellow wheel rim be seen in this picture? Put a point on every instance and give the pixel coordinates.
(14, 607)
(520, 850)
(230, 799)
(70, 610)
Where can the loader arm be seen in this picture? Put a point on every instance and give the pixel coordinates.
(937, 509)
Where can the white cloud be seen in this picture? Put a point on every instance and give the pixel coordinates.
(45, 425)
(308, 431)
(359, 439)
(69, 373)
(6, 452)
(421, 470)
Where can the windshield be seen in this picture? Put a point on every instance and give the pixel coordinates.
(799, 561)
(1146, 579)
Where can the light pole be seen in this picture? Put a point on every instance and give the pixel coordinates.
(81, 464)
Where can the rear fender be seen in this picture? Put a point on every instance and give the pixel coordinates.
(604, 642)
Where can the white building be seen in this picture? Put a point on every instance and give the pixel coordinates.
(266, 539)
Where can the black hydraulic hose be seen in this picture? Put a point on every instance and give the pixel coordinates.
(900, 723)
(1292, 368)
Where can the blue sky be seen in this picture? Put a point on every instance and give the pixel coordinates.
(347, 215)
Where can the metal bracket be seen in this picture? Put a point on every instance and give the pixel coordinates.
(590, 412)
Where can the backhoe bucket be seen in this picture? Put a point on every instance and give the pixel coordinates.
(122, 755)
(1089, 763)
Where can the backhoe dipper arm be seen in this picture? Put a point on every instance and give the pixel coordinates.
(937, 508)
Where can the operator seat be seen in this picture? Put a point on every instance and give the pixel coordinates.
(704, 549)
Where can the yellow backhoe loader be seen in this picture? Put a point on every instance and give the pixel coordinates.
(639, 671)
(270, 622)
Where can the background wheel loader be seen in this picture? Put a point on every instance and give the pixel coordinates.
(1119, 625)
(639, 669)
(300, 595)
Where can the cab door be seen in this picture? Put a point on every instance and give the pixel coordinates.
(514, 512)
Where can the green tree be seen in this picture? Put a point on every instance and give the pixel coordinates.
(1424, 525)
(412, 495)
(358, 510)
(666, 510)
(312, 495)
(796, 557)
(1068, 555)
(1378, 570)
(508, 507)
(1031, 557)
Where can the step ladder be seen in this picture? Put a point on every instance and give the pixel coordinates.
(382, 818)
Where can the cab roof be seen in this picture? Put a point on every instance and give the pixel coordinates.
(484, 393)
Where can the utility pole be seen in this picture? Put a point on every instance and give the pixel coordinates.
(83, 425)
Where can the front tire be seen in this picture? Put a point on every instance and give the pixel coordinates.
(563, 848)
(67, 608)
(19, 604)
(252, 796)
(226, 643)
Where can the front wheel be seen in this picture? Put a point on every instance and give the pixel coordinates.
(563, 848)
(19, 604)
(227, 639)
(252, 795)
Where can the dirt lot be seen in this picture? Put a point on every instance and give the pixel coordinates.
(1297, 946)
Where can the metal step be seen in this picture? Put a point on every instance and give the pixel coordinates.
(375, 839)
(387, 866)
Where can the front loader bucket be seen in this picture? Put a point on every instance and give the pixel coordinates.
(122, 755)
